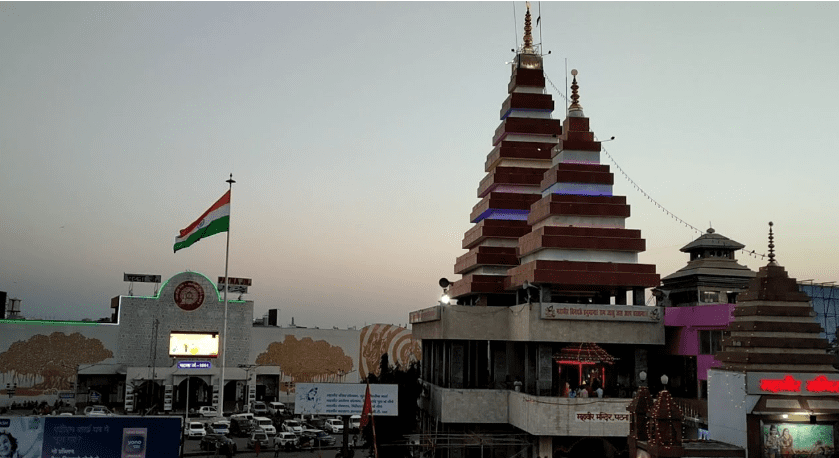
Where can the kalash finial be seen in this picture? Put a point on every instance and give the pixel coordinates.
(528, 37)
(771, 246)
(575, 109)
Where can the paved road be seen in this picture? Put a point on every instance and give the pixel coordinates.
(191, 449)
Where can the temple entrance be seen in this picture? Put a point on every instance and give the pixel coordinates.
(592, 447)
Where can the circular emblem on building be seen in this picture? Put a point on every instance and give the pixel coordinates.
(189, 295)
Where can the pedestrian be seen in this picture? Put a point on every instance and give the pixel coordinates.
(256, 448)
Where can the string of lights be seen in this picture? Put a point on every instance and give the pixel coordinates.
(644, 193)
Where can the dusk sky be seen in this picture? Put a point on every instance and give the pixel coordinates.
(357, 134)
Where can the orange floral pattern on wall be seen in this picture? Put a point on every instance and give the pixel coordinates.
(307, 360)
(45, 364)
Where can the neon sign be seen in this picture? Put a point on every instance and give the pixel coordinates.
(821, 384)
(788, 384)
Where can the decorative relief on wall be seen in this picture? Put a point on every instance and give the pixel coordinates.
(396, 341)
(306, 360)
(45, 364)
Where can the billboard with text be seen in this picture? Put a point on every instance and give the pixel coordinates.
(345, 399)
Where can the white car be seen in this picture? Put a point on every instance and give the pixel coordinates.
(97, 411)
(276, 408)
(194, 429)
(334, 426)
(267, 425)
(286, 440)
(293, 426)
(208, 411)
(258, 408)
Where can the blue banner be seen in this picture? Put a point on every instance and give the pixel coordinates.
(93, 437)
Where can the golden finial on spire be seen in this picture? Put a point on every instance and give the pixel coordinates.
(528, 37)
(575, 96)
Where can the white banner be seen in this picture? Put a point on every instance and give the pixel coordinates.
(344, 399)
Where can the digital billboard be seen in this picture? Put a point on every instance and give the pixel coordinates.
(193, 344)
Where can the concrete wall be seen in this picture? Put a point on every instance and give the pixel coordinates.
(523, 323)
(537, 415)
(728, 405)
(553, 416)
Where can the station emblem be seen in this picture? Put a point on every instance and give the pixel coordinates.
(189, 295)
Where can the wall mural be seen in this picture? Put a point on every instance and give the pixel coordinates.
(306, 360)
(45, 364)
(396, 341)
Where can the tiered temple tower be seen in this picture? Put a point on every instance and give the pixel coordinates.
(542, 307)
(548, 217)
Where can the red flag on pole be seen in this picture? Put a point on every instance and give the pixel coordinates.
(367, 410)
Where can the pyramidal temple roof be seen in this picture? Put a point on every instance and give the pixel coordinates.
(547, 215)
(774, 328)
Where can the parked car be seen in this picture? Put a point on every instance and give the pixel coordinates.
(334, 426)
(258, 408)
(286, 440)
(97, 411)
(261, 437)
(315, 422)
(266, 425)
(212, 442)
(241, 427)
(218, 427)
(194, 430)
(208, 411)
(276, 408)
(355, 423)
(292, 426)
(316, 438)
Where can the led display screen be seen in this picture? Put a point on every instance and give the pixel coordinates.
(193, 344)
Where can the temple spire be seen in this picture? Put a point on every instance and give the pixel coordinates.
(771, 246)
(575, 110)
(528, 36)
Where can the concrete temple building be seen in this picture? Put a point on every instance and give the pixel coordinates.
(551, 303)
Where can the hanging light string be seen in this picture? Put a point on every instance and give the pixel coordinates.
(644, 193)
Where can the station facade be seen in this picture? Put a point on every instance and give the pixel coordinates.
(128, 364)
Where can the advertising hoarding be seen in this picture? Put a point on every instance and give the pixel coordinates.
(345, 399)
(72, 437)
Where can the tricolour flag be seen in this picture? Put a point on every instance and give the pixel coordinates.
(367, 410)
(216, 219)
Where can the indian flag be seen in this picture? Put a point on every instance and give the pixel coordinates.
(213, 221)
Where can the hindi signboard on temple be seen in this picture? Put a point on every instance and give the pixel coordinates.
(792, 383)
(601, 312)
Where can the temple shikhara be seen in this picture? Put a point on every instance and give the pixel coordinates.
(547, 329)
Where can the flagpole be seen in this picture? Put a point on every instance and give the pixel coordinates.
(224, 329)
(375, 444)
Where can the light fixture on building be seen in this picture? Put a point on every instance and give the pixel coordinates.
(445, 283)
(664, 380)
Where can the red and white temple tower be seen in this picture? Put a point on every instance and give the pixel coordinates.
(547, 216)
(541, 312)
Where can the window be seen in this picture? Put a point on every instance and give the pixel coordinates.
(710, 341)
(710, 296)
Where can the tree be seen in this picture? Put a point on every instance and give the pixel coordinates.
(390, 432)
(49, 362)
(306, 360)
